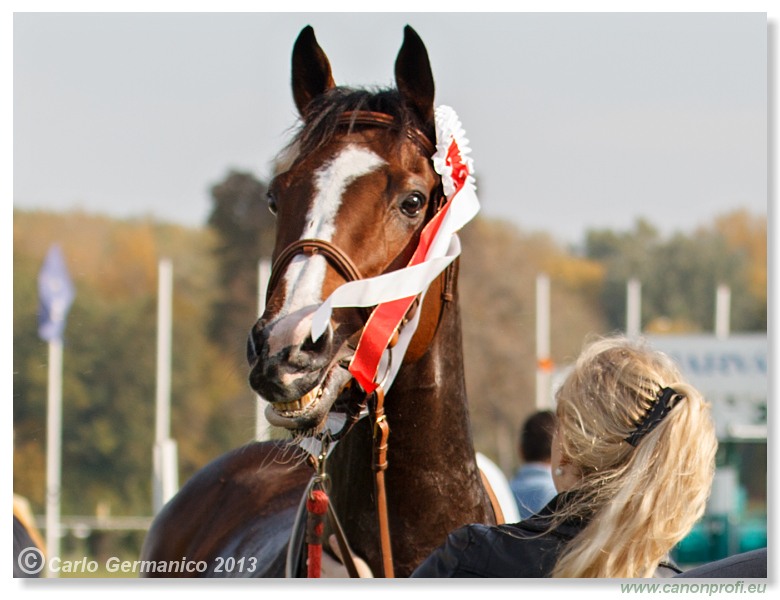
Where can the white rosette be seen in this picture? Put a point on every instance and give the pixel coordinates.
(448, 128)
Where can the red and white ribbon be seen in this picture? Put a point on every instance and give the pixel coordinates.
(393, 293)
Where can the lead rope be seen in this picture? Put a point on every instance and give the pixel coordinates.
(381, 433)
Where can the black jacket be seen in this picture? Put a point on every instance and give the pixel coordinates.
(750, 564)
(525, 549)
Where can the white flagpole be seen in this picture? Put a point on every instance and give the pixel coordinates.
(53, 452)
(165, 477)
(56, 293)
(543, 359)
(722, 312)
(262, 426)
(633, 308)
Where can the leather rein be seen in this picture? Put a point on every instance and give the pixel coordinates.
(347, 269)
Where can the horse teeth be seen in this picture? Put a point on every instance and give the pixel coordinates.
(308, 398)
(300, 404)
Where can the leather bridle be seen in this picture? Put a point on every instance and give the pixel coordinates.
(310, 247)
(347, 269)
(338, 259)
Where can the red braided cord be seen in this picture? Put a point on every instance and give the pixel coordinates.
(317, 506)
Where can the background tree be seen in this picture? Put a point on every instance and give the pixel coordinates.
(245, 233)
(682, 278)
(746, 235)
(623, 255)
(680, 273)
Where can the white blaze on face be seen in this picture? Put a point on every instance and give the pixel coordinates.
(305, 275)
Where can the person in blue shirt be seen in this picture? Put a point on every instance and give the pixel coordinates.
(533, 485)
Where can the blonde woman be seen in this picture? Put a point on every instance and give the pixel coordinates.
(633, 461)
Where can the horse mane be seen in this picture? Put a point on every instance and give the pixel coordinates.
(322, 119)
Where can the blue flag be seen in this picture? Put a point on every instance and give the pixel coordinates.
(55, 295)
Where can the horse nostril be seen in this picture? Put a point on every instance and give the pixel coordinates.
(320, 345)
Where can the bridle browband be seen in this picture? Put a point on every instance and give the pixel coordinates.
(378, 119)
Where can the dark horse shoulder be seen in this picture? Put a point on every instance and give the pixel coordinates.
(233, 517)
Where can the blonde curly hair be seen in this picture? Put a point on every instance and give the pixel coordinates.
(639, 501)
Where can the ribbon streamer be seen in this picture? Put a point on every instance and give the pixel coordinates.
(393, 293)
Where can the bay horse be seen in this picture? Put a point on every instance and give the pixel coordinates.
(351, 194)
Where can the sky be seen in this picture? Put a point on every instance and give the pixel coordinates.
(577, 121)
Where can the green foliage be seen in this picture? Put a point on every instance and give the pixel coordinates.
(108, 404)
(623, 255)
(680, 275)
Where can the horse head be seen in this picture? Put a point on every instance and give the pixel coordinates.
(351, 195)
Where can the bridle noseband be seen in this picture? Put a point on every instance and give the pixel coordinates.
(311, 247)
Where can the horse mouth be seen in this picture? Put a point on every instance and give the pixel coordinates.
(309, 413)
(295, 408)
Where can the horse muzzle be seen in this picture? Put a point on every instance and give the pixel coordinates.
(299, 377)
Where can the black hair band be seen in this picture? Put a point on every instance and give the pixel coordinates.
(665, 400)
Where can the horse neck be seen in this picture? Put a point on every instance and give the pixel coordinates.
(432, 480)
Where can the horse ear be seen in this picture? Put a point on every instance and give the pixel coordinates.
(311, 75)
(413, 75)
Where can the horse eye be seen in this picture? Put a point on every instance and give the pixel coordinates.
(413, 204)
(271, 202)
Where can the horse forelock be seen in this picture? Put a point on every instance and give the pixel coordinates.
(323, 121)
(323, 117)
(285, 159)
